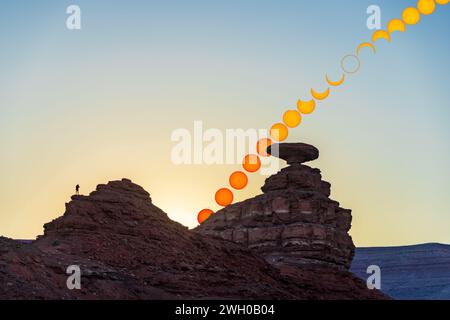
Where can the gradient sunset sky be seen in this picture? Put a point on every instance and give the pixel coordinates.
(101, 103)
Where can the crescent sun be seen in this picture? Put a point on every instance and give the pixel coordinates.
(381, 34)
(365, 44)
(320, 95)
(335, 83)
(306, 107)
(396, 25)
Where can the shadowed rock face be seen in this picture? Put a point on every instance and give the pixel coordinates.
(294, 152)
(294, 222)
(127, 248)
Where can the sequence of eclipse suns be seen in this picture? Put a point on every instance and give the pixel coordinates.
(279, 132)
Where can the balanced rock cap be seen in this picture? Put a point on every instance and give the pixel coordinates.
(294, 152)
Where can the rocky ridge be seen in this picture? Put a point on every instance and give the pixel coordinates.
(127, 248)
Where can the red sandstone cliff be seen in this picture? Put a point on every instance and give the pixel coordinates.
(127, 248)
(294, 222)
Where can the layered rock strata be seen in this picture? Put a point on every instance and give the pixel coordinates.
(294, 222)
(127, 248)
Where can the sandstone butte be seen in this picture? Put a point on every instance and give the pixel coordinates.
(289, 243)
(293, 223)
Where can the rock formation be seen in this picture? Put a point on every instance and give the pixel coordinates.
(294, 222)
(127, 248)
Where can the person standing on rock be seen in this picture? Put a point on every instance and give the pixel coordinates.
(77, 189)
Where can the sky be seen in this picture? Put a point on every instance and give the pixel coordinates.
(99, 104)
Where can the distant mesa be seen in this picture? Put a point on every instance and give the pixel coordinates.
(417, 272)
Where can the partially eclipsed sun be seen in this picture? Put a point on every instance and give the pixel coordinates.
(350, 63)
(396, 25)
(306, 107)
(381, 34)
(366, 44)
(426, 7)
(335, 83)
(320, 95)
(411, 15)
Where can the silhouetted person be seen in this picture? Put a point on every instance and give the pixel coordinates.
(77, 189)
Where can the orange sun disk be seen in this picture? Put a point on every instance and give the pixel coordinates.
(262, 146)
(203, 215)
(224, 197)
(251, 163)
(238, 180)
